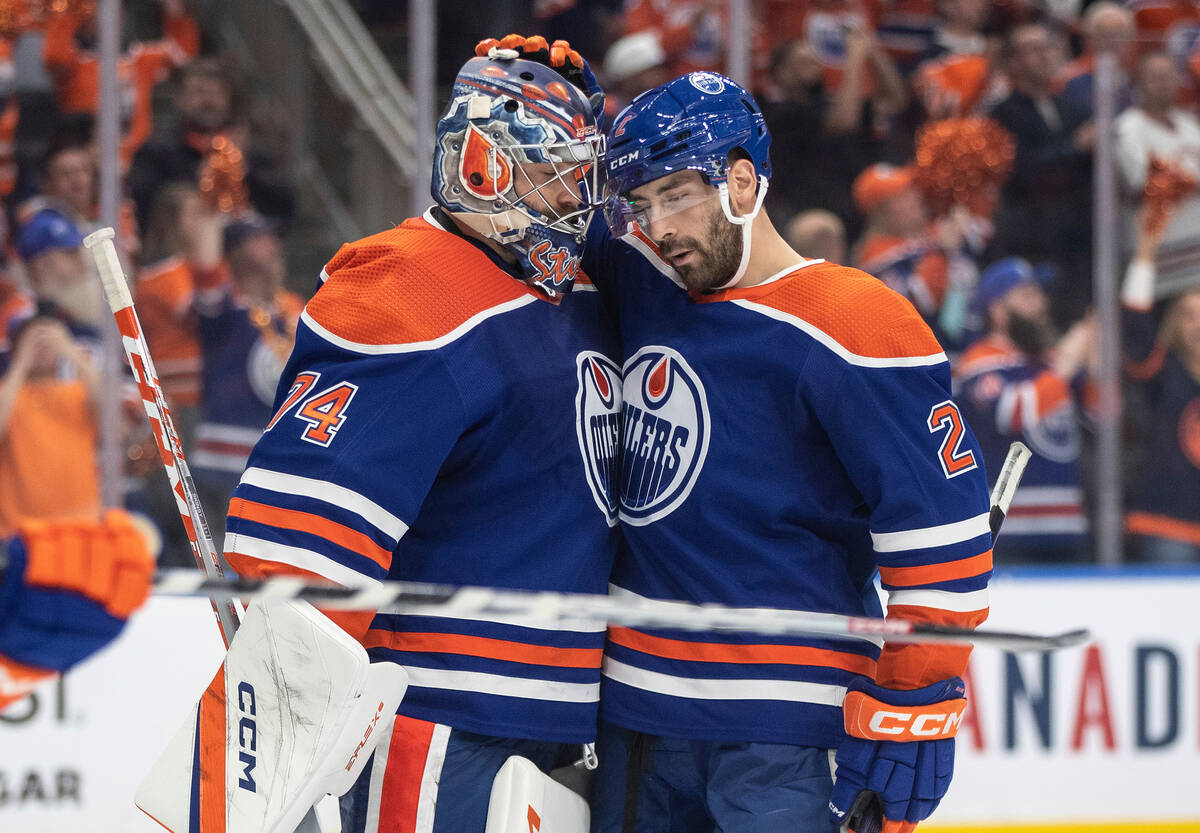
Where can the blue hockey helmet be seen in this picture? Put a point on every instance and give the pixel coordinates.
(514, 133)
(691, 123)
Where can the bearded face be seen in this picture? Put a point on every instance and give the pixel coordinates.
(709, 258)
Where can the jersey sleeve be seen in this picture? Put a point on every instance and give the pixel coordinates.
(344, 465)
(919, 470)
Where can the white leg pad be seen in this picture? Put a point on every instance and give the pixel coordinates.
(293, 715)
(525, 800)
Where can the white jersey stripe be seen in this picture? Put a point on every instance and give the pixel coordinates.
(417, 346)
(941, 599)
(1045, 525)
(483, 683)
(331, 493)
(1048, 495)
(435, 759)
(536, 623)
(793, 691)
(308, 560)
(832, 344)
(931, 536)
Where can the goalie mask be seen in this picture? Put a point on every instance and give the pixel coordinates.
(517, 160)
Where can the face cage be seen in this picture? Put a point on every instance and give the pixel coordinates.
(576, 167)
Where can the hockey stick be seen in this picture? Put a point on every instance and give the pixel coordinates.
(583, 608)
(866, 813)
(116, 291)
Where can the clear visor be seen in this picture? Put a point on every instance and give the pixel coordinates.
(563, 192)
(626, 212)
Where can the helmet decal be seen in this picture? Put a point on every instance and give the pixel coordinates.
(707, 82)
(483, 169)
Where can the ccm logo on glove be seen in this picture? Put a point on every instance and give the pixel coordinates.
(871, 719)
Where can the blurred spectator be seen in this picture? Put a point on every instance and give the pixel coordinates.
(692, 32)
(51, 248)
(817, 234)
(906, 29)
(206, 102)
(68, 180)
(1045, 211)
(632, 65)
(1164, 362)
(1021, 381)
(164, 295)
(822, 139)
(48, 428)
(1107, 28)
(895, 246)
(72, 58)
(954, 73)
(247, 327)
(1155, 126)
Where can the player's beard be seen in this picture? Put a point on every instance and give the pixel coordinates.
(714, 263)
(1033, 335)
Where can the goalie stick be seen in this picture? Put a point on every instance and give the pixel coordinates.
(866, 813)
(116, 291)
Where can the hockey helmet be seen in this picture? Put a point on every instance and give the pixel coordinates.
(516, 134)
(691, 123)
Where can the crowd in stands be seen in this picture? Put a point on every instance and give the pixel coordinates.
(200, 224)
(944, 146)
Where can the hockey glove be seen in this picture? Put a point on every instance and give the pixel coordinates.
(901, 747)
(559, 56)
(68, 589)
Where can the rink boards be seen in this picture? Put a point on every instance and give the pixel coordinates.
(1105, 738)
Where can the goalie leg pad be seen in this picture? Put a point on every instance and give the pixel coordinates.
(428, 778)
(293, 714)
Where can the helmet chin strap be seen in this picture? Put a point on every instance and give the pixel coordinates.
(745, 222)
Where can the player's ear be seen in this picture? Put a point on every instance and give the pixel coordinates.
(743, 184)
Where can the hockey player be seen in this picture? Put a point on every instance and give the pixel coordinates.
(450, 414)
(787, 430)
(66, 589)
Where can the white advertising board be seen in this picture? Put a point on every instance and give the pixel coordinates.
(1101, 738)
(1102, 735)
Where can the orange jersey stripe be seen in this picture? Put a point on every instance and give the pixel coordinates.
(753, 654)
(936, 573)
(294, 519)
(484, 647)
(1161, 526)
(211, 726)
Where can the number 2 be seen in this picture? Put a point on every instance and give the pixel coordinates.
(954, 459)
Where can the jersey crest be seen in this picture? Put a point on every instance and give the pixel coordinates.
(598, 425)
(666, 429)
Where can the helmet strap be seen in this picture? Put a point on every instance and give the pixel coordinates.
(745, 222)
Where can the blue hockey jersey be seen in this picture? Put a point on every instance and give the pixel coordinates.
(440, 421)
(779, 443)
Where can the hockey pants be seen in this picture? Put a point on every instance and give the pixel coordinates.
(649, 784)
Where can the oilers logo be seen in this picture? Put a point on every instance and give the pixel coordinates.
(1056, 435)
(598, 425)
(666, 428)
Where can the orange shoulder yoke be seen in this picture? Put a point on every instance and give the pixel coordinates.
(409, 284)
(851, 307)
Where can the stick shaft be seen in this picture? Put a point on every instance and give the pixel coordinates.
(170, 450)
(584, 608)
